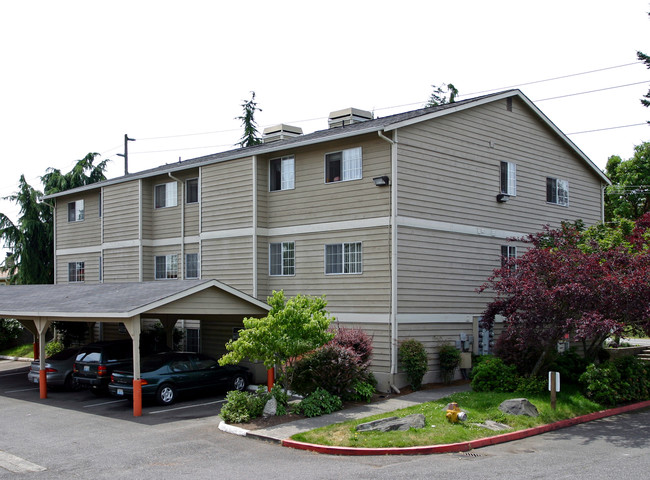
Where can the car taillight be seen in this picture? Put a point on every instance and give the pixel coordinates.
(101, 370)
(51, 370)
(74, 368)
(112, 379)
(143, 382)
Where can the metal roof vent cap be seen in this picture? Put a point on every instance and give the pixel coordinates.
(347, 116)
(280, 132)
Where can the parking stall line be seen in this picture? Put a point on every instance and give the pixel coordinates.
(22, 390)
(18, 465)
(13, 374)
(103, 403)
(186, 407)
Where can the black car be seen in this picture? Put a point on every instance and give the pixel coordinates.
(166, 375)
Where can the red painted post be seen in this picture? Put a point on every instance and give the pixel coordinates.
(37, 351)
(270, 376)
(137, 397)
(42, 383)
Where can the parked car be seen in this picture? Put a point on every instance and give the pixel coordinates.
(58, 369)
(169, 374)
(96, 361)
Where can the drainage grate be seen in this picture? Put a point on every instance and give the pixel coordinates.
(471, 454)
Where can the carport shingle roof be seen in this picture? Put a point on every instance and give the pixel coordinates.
(121, 300)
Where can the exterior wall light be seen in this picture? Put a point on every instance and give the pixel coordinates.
(381, 181)
(502, 198)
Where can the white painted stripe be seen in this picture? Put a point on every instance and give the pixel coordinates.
(23, 390)
(186, 407)
(326, 227)
(435, 318)
(455, 228)
(121, 244)
(79, 250)
(104, 403)
(362, 317)
(18, 465)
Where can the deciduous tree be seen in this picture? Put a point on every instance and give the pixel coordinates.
(629, 194)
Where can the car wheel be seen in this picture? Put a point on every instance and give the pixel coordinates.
(166, 394)
(239, 382)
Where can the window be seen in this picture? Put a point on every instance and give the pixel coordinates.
(281, 174)
(192, 265)
(508, 252)
(282, 258)
(557, 191)
(165, 195)
(344, 165)
(192, 190)
(76, 272)
(343, 258)
(100, 205)
(166, 267)
(509, 178)
(76, 211)
(192, 340)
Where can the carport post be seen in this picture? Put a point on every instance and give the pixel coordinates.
(41, 326)
(134, 328)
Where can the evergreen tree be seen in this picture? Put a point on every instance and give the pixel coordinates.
(251, 135)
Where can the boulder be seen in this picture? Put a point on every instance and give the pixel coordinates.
(393, 423)
(271, 408)
(519, 406)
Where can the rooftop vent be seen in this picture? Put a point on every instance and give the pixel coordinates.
(280, 132)
(347, 116)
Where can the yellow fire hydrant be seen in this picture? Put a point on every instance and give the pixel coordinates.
(455, 414)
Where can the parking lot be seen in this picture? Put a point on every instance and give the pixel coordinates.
(14, 385)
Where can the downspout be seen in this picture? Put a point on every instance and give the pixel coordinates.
(53, 207)
(140, 250)
(200, 222)
(101, 235)
(181, 264)
(255, 226)
(393, 257)
(602, 203)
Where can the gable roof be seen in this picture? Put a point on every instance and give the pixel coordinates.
(104, 300)
(388, 123)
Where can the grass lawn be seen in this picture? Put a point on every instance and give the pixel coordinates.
(26, 351)
(480, 406)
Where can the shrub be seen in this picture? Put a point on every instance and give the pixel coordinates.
(9, 333)
(493, 375)
(320, 402)
(414, 360)
(449, 359)
(332, 368)
(625, 379)
(53, 347)
(357, 340)
(570, 365)
(361, 392)
(243, 406)
(532, 385)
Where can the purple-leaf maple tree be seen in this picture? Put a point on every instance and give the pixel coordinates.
(588, 284)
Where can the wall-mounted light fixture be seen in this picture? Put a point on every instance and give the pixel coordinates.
(381, 181)
(503, 197)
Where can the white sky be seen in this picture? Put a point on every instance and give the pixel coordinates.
(75, 76)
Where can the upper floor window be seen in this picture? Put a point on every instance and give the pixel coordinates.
(192, 265)
(343, 258)
(192, 190)
(165, 195)
(281, 174)
(166, 267)
(76, 272)
(282, 258)
(557, 191)
(76, 211)
(343, 165)
(508, 178)
(507, 252)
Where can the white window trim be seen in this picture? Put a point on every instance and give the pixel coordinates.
(511, 179)
(343, 264)
(282, 255)
(167, 266)
(342, 177)
(558, 183)
(171, 195)
(290, 179)
(78, 212)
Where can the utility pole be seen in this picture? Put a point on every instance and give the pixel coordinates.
(126, 152)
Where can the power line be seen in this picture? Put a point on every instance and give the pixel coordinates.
(608, 128)
(591, 91)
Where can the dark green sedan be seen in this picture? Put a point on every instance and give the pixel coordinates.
(170, 374)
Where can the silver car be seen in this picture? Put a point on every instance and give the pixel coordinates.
(58, 369)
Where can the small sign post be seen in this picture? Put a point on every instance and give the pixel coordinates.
(553, 386)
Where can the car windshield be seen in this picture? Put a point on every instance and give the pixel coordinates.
(64, 354)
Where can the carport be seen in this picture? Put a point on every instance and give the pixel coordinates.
(37, 306)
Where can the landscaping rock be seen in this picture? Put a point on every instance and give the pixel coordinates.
(492, 425)
(519, 406)
(271, 408)
(393, 423)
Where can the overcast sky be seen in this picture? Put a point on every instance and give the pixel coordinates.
(78, 75)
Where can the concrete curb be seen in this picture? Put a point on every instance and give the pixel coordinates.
(16, 359)
(466, 446)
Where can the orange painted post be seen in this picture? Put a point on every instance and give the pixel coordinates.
(270, 376)
(137, 397)
(37, 351)
(42, 383)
